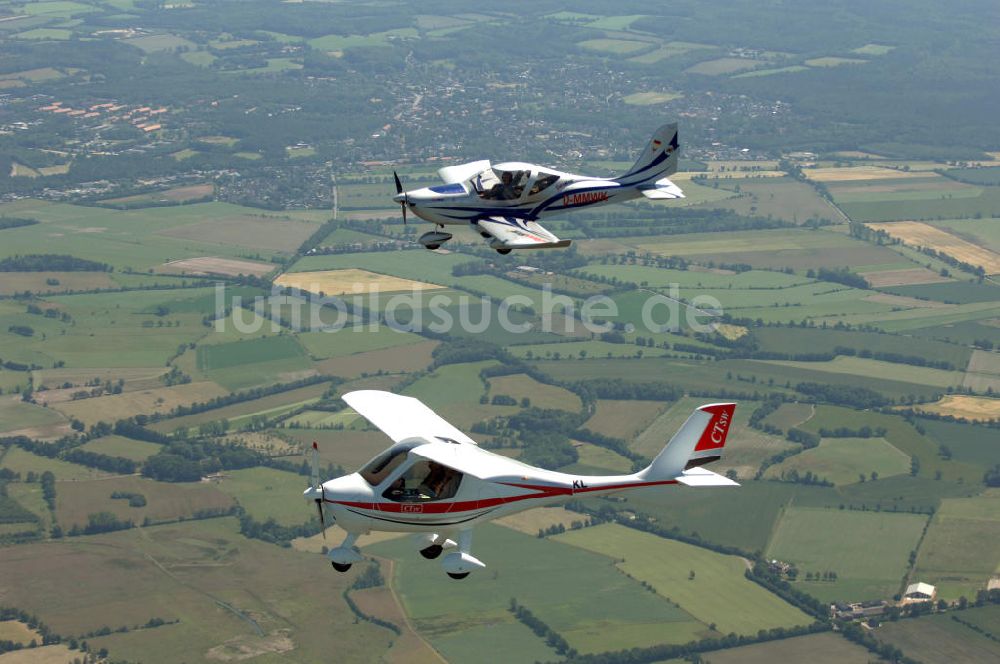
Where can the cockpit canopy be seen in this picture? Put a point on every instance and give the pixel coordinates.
(411, 479)
(509, 182)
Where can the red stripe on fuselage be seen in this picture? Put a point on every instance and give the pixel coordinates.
(442, 507)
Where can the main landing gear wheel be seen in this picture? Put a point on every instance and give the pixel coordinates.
(503, 252)
(432, 247)
(341, 567)
(458, 576)
(432, 552)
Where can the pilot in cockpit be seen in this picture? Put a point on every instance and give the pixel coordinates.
(504, 190)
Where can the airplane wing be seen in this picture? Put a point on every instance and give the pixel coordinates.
(517, 233)
(661, 190)
(402, 417)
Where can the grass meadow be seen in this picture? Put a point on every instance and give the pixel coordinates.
(824, 540)
(718, 594)
(543, 575)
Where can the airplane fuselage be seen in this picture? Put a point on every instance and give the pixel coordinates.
(360, 508)
(446, 205)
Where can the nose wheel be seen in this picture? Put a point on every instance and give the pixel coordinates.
(341, 567)
(458, 576)
(504, 251)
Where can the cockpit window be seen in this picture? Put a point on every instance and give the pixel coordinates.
(541, 183)
(502, 185)
(424, 481)
(379, 468)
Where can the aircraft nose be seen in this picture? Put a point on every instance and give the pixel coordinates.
(348, 487)
(399, 198)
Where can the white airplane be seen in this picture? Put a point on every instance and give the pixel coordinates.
(437, 482)
(505, 202)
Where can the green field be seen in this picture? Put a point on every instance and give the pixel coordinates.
(826, 648)
(242, 364)
(824, 540)
(350, 340)
(264, 493)
(798, 249)
(941, 639)
(137, 450)
(23, 462)
(238, 414)
(955, 292)
(147, 237)
(986, 204)
(961, 570)
(842, 460)
(695, 279)
(614, 46)
(903, 436)
(650, 98)
(795, 340)
(544, 576)
(15, 414)
(341, 42)
(418, 264)
(77, 500)
(517, 643)
(721, 66)
(778, 197)
(790, 415)
(967, 442)
(832, 61)
(723, 374)
(520, 386)
(195, 572)
(718, 594)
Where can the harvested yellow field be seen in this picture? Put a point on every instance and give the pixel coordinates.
(349, 281)
(855, 173)
(731, 332)
(18, 632)
(57, 654)
(960, 405)
(158, 400)
(918, 234)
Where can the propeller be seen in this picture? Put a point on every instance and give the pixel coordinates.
(317, 486)
(399, 190)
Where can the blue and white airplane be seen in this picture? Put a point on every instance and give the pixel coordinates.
(505, 202)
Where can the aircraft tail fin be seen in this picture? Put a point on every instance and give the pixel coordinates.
(699, 441)
(657, 160)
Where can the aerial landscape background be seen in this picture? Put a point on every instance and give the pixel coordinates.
(185, 186)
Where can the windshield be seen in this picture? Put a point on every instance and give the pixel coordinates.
(542, 182)
(379, 468)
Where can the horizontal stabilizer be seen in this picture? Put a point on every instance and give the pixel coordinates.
(661, 190)
(704, 477)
